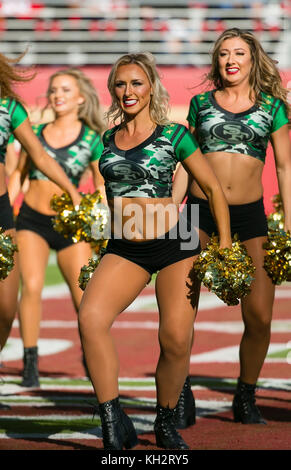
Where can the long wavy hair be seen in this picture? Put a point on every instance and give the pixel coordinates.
(10, 75)
(264, 75)
(90, 110)
(159, 104)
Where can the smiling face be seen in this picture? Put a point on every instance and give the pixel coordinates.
(132, 89)
(64, 94)
(234, 61)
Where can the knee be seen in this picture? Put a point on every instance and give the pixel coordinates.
(91, 321)
(258, 322)
(31, 287)
(7, 315)
(175, 344)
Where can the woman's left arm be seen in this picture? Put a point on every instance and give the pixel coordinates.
(281, 144)
(98, 178)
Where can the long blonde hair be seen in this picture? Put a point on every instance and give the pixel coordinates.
(264, 75)
(90, 110)
(159, 104)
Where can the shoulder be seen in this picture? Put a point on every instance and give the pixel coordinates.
(37, 128)
(172, 129)
(270, 103)
(14, 110)
(201, 99)
(10, 104)
(109, 134)
(91, 136)
(175, 133)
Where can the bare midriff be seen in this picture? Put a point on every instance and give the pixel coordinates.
(239, 175)
(39, 195)
(140, 218)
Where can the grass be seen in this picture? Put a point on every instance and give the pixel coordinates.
(54, 276)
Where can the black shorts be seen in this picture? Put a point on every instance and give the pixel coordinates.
(6, 213)
(154, 255)
(247, 220)
(42, 224)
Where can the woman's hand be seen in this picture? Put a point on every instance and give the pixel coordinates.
(226, 242)
(76, 197)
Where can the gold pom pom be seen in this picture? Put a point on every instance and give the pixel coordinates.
(65, 222)
(87, 270)
(7, 250)
(277, 261)
(276, 219)
(228, 273)
(87, 222)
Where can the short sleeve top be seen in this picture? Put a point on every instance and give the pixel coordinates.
(73, 158)
(147, 169)
(12, 114)
(248, 132)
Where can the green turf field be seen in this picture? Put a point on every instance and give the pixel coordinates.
(54, 276)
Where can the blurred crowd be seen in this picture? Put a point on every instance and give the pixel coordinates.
(178, 30)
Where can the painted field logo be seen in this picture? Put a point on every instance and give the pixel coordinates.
(125, 172)
(232, 132)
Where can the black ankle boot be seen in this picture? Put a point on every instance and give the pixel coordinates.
(117, 428)
(244, 405)
(165, 429)
(185, 408)
(30, 370)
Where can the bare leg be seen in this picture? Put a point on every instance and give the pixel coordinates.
(8, 295)
(70, 262)
(204, 239)
(177, 303)
(177, 314)
(257, 315)
(33, 259)
(113, 286)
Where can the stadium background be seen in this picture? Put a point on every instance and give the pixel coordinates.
(91, 34)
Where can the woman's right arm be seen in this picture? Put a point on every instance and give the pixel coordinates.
(18, 176)
(46, 164)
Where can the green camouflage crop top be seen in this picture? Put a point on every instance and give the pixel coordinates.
(246, 133)
(12, 114)
(147, 169)
(73, 158)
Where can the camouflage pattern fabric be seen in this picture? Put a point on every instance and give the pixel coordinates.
(73, 158)
(146, 170)
(245, 133)
(12, 114)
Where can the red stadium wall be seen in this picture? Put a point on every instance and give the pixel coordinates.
(181, 82)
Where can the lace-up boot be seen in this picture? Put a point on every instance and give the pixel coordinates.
(117, 428)
(185, 408)
(30, 370)
(244, 405)
(165, 429)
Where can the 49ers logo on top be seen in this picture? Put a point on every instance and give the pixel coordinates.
(126, 172)
(232, 132)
